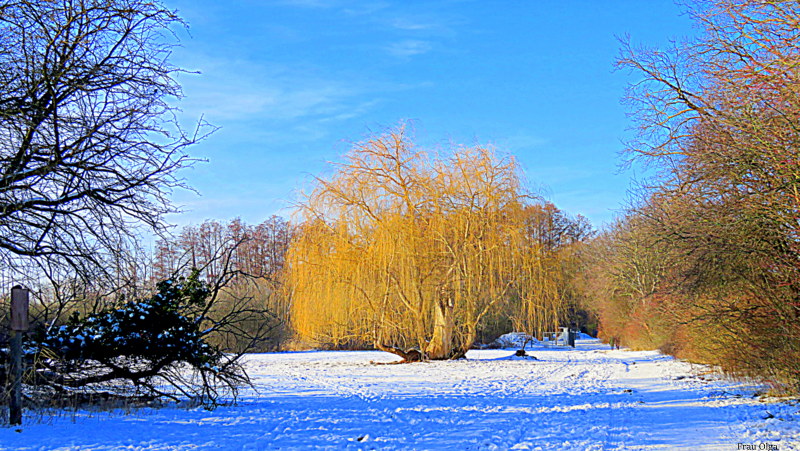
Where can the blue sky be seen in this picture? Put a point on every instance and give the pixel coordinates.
(292, 82)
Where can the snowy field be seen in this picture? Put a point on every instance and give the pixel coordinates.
(588, 398)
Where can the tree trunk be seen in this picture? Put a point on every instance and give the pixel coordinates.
(441, 345)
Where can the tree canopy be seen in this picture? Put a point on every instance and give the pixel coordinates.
(409, 251)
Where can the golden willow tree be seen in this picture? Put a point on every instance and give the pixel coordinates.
(410, 251)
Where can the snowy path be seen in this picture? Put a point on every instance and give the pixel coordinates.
(589, 398)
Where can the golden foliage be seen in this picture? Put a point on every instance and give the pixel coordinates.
(409, 251)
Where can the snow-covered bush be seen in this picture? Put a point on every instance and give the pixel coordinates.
(153, 329)
(513, 340)
(155, 347)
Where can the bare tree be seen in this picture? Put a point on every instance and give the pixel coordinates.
(555, 239)
(89, 142)
(253, 259)
(719, 117)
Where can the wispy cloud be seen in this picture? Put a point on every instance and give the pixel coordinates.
(522, 142)
(408, 48)
(409, 24)
(366, 8)
(241, 90)
(412, 29)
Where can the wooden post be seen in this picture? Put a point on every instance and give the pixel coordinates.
(19, 324)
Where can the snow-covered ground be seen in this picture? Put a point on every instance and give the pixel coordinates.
(588, 398)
